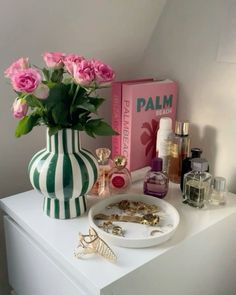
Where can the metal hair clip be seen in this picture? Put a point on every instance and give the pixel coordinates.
(92, 243)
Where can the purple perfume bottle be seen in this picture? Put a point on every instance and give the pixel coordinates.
(156, 182)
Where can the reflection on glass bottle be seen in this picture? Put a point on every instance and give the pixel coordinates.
(119, 177)
(101, 187)
(197, 183)
(179, 150)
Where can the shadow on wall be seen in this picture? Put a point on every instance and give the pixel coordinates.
(206, 141)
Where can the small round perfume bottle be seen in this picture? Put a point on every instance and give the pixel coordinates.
(156, 182)
(119, 178)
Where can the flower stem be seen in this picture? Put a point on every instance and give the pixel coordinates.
(73, 100)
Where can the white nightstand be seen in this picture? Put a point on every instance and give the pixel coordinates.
(199, 259)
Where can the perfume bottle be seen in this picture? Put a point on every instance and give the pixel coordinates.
(162, 145)
(186, 164)
(179, 147)
(197, 183)
(119, 178)
(101, 187)
(218, 193)
(156, 182)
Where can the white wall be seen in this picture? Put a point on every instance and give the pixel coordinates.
(114, 31)
(184, 47)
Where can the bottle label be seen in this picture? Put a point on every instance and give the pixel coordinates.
(118, 181)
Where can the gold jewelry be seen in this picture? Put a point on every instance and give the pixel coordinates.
(152, 233)
(117, 230)
(134, 206)
(108, 226)
(148, 219)
(92, 243)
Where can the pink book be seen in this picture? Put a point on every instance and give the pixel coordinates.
(143, 105)
(116, 93)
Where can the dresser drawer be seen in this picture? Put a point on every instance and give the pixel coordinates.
(31, 271)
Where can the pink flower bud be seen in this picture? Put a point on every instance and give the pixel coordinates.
(15, 67)
(69, 60)
(54, 60)
(19, 108)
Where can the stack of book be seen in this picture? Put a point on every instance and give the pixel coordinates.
(137, 106)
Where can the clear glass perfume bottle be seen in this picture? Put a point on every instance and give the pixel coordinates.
(119, 178)
(186, 164)
(101, 187)
(179, 150)
(197, 183)
(156, 182)
(218, 193)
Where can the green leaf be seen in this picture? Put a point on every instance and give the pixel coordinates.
(96, 101)
(60, 114)
(87, 106)
(32, 101)
(46, 74)
(78, 126)
(53, 130)
(57, 75)
(99, 127)
(90, 133)
(26, 124)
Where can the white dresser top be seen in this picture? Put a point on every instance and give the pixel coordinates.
(58, 238)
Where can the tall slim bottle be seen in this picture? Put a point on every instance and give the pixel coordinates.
(179, 150)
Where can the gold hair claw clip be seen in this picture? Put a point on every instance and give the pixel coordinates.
(92, 243)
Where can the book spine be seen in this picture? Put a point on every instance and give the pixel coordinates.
(116, 93)
(126, 124)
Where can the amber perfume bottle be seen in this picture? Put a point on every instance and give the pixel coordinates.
(119, 178)
(101, 187)
(179, 150)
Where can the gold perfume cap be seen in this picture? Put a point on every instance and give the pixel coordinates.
(103, 154)
(120, 161)
(181, 128)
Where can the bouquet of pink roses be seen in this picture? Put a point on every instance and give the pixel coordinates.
(61, 95)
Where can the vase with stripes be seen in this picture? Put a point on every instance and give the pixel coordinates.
(64, 173)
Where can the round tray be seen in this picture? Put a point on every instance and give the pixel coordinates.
(136, 235)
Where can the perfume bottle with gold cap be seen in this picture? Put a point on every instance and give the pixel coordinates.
(179, 150)
(119, 178)
(101, 187)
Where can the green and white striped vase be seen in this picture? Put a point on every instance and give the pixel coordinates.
(64, 173)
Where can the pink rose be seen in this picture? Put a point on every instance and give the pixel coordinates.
(20, 64)
(54, 60)
(103, 72)
(26, 80)
(42, 91)
(83, 72)
(19, 108)
(70, 59)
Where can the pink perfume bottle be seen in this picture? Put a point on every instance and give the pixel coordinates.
(156, 182)
(119, 177)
